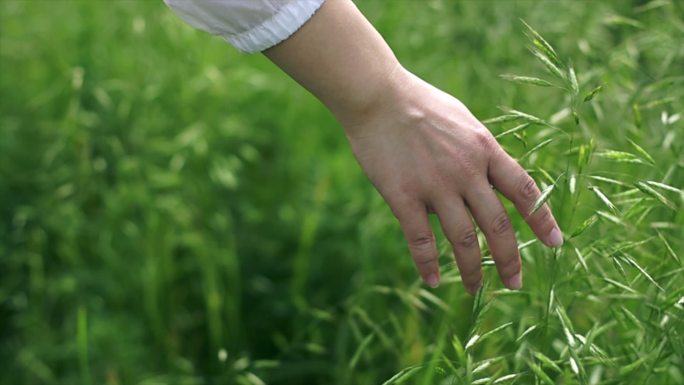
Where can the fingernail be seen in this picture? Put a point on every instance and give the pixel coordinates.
(432, 280)
(555, 238)
(515, 282)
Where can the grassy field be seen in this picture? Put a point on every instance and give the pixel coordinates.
(174, 212)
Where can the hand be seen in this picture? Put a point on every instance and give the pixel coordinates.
(425, 152)
(422, 148)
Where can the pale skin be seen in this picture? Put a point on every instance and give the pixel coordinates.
(421, 148)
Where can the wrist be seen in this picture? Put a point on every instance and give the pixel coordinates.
(373, 93)
(396, 98)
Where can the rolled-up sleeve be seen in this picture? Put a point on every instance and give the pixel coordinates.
(248, 25)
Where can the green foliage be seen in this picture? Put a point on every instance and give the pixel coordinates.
(172, 212)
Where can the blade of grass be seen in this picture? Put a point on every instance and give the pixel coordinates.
(403, 375)
(642, 152)
(541, 43)
(592, 94)
(501, 119)
(573, 81)
(668, 247)
(550, 66)
(540, 374)
(360, 350)
(547, 361)
(643, 271)
(513, 130)
(604, 199)
(648, 190)
(528, 117)
(543, 197)
(535, 149)
(664, 186)
(526, 80)
(585, 225)
(620, 157)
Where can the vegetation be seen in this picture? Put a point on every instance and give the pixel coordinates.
(173, 212)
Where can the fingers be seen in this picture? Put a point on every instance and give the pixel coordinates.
(459, 230)
(512, 180)
(421, 241)
(495, 224)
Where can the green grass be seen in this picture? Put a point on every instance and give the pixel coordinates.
(173, 212)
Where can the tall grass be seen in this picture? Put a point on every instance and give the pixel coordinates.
(174, 212)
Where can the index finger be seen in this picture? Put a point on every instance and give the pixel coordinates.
(512, 181)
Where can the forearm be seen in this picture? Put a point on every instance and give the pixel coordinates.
(340, 58)
(422, 148)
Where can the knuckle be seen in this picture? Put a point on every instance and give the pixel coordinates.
(422, 242)
(501, 224)
(466, 239)
(422, 248)
(527, 188)
(485, 140)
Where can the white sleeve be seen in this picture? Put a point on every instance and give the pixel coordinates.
(249, 25)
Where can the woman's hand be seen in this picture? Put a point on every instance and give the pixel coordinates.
(422, 148)
(425, 152)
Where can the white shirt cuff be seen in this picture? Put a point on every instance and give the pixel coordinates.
(277, 28)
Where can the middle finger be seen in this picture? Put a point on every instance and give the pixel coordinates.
(493, 219)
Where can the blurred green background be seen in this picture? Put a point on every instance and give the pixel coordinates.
(174, 212)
